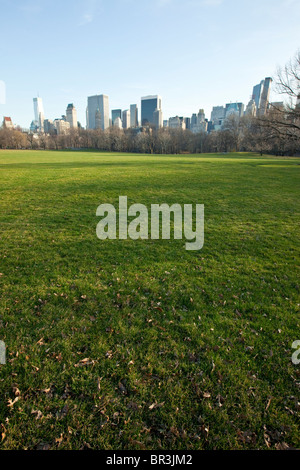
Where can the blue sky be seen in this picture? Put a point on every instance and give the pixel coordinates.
(194, 53)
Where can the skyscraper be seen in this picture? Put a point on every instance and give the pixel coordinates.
(176, 123)
(134, 121)
(116, 113)
(158, 118)
(265, 96)
(39, 115)
(118, 123)
(61, 126)
(232, 109)
(241, 108)
(187, 122)
(48, 126)
(217, 115)
(251, 108)
(256, 95)
(98, 119)
(71, 115)
(261, 96)
(149, 104)
(126, 119)
(96, 104)
(198, 122)
(194, 120)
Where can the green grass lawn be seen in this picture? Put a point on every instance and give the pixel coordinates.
(142, 344)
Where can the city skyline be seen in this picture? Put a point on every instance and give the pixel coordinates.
(100, 116)
(39, 114)
(202, 62)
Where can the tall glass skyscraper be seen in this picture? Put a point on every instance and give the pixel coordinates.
(134, 121)
(126, 119)
(265, 96)
(39, 115)
(256, 95)
(149, 104)
(96, 104)
(116, 113)
(261, 95)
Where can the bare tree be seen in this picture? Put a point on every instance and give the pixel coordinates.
(283, 122)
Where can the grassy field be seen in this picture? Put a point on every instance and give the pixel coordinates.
(142, 344)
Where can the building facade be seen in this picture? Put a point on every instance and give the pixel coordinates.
(232, 109)
(39, 115)
(198, 122)
(158, 118)
(116, 113)
(256, 95)
(71, 116)
(61, 126)
(7, 123)
(98, 104)
(126, 119)
(48, 126)
(261, 96)
(149, 104)
(118, 123)
(251, 108)
(134, 118)
(265, 97)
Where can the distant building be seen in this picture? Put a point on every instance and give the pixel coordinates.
(200, 127)
(96, 104)
(187, 122)
(166, 123)
(48, 126)
(194, 120)
(210, 126)
(39, 115)
(149, 104)
(217, 117)
(232, 109)
(126, 119)
(7, 123)
(115, 114)
(201, 115)
(118, 123)
(174, 122)
(251, 108)
(71, 116)
(61, 126)
(33, 127)
(98, 119)
(198, 122)
(256, 95)
(241, 109)
(158, 118)
(217, 114)
(177, 123)
(265, 96)
(134, 118)
(261, 96)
